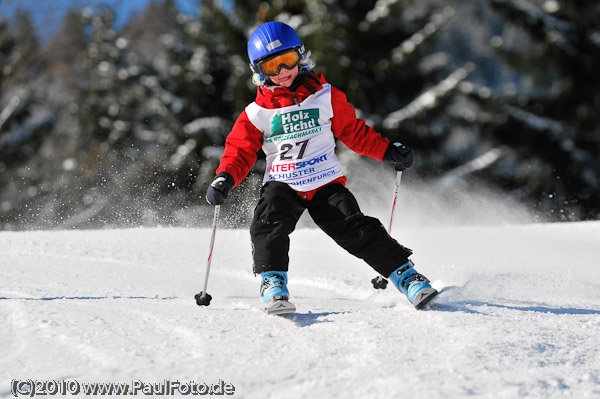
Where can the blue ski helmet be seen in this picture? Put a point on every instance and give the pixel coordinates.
(271, 38)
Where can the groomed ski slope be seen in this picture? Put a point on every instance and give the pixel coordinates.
(518, 317)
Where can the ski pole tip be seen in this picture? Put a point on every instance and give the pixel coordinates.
(202, 299)
(379, 283)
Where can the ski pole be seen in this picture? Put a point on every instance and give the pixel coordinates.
(396, 189)
(202, 298)
(379, 282)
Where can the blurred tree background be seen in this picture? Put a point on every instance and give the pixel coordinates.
(104, 125)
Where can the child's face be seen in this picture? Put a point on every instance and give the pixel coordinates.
(285, 77)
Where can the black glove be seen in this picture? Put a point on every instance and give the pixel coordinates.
(219, 188)
(399, 155)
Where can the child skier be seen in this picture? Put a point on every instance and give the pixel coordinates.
(295, 119)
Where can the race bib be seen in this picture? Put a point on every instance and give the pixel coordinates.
(298, 142)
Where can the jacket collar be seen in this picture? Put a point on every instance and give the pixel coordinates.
(305, 85)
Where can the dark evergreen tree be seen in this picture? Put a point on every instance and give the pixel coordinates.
(101, 126)
(551, 122)
(25, 120)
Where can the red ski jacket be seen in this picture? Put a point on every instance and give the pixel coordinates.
(245, 139)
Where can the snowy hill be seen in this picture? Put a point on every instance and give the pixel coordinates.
(519, 314)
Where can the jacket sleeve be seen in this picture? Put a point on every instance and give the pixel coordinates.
(241, 146)
(353, 132)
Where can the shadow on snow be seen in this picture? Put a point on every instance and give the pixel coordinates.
(85, 298)
(308, 319)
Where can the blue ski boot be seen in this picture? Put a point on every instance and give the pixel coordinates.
(275, 293)
(273, 287)
(414, 285)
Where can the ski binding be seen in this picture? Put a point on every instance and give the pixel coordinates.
(424, 297)
(279, 307)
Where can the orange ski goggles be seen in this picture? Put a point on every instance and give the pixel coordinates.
(272, 66)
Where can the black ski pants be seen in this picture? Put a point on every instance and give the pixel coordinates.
(335, 210)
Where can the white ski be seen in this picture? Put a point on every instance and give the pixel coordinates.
(280, 307)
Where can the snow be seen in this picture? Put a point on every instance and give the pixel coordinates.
(519, 313)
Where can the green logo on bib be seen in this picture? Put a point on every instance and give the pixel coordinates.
(293, 122)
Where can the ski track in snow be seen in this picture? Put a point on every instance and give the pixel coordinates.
(518, 315)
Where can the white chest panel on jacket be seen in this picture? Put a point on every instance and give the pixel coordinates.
(298, 142)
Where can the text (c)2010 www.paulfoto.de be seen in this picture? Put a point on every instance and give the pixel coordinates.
(31, 387)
